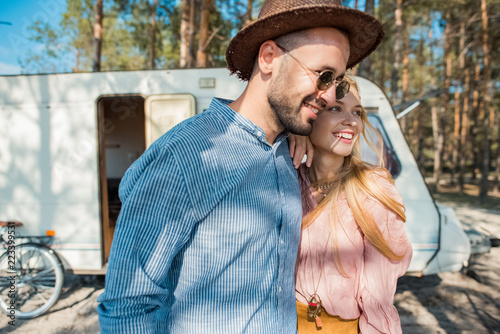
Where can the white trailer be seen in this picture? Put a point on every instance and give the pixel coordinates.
(67, 139)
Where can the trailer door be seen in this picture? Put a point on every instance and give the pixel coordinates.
(165, 111)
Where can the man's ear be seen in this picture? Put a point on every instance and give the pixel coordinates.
(268, 53)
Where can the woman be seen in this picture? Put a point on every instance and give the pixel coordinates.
(353, 245)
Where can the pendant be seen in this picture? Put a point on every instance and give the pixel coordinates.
(313, 309)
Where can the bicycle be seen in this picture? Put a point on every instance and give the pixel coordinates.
(31, 273)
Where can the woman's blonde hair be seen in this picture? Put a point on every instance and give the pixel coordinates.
(354, 180)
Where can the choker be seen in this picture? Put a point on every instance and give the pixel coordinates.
(322, 186)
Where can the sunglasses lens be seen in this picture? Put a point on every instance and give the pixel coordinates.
(325, 80)
(342, 89)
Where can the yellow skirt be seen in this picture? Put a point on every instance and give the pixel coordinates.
(331, 324)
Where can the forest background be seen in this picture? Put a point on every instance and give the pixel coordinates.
(442, 54)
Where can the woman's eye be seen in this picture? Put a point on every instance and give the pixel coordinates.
(357, 113)
(336, 108)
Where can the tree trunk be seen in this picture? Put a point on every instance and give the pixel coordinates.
(483, 192)
(497, 172)
(445, 99)
(248, 14)
(398, 36)
(153, 35)
(404, 77)
(475, 129)
(185, 28)
(370, 7)
(457, 126)
(382, 77)
(459, 108)
(436, 129)
(416, 133)
(383, 51)
(77, 61)
(201, 56)
(438, 145)
(96, 67)
(465, 111)
(364, 68)
(194, 9)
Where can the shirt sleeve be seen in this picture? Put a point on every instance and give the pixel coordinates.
(380, 275)
(154, 223)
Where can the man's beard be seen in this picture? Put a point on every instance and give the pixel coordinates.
(287, 115)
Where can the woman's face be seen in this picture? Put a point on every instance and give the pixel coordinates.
(336, 130)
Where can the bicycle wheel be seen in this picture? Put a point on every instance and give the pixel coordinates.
(34, 285)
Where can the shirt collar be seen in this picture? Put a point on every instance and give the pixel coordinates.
(221, 106)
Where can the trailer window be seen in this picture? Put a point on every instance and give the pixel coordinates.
(391, 160)
(165, 111)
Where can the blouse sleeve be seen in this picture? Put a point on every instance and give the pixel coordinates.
(380, 275)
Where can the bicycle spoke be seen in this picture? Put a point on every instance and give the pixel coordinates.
(22, 265)
(46, 280)
(42, 297)
(31, 266)
(45, 272)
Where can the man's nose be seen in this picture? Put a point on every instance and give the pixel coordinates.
(329, 95)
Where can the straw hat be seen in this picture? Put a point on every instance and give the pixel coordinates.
(280, 17)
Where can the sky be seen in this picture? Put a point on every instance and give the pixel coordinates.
(14, 38)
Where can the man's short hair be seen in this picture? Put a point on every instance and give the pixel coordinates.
(294, 40)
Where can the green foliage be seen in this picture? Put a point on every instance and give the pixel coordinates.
(48, 56)
(426, 69)
(67, 46)
(218, 44)
(126, 36)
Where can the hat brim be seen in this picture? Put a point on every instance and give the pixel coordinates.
(364, 31)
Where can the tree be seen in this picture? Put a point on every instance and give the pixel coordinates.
(458, 119)
(248, 14)
(445, 97)
(464, 133)
(486, 89)
(97, 37)
(48, 60)
(201, 55)
(398, 39)
(365, 67)
(152, 57)
(186, 28)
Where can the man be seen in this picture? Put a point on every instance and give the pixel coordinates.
(208, 233)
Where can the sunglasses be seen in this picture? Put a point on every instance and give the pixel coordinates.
(325, 79)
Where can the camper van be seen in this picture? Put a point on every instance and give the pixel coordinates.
(67, 140)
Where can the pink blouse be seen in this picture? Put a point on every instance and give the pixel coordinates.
(368, 291)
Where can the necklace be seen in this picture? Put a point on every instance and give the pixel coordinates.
(321, 186)
(314, 303)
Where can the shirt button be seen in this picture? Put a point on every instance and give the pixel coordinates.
(281, 241)
(259, 134)
(279, 288)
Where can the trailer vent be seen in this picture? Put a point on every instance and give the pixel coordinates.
(207, 82)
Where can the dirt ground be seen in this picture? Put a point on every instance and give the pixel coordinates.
(462, 302)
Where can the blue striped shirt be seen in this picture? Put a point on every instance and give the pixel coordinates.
(208, 233)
